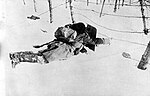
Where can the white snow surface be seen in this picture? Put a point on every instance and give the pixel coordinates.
(101, 73)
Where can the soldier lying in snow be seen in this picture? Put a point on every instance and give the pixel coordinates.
(70, 40)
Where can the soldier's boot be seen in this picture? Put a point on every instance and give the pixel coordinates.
(14, 59)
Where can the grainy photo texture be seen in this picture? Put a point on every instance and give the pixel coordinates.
(76, 47)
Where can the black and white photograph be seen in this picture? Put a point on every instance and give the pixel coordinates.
(75, 48)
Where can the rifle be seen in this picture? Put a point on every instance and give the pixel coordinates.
(38, 46)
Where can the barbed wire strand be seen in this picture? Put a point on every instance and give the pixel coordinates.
(53, 8)
(40, 14)
(109, 4)
(115, 30)
(110, 14)
(111, 30)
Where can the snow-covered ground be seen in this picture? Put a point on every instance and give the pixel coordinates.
(101, 73)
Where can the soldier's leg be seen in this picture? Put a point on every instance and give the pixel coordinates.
(27, 56)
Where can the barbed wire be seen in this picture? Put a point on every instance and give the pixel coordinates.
(110, 14)
(129, 41)
(112, 30)
(41, 13)
(53, 8)
(109, 4)
(115, 30)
